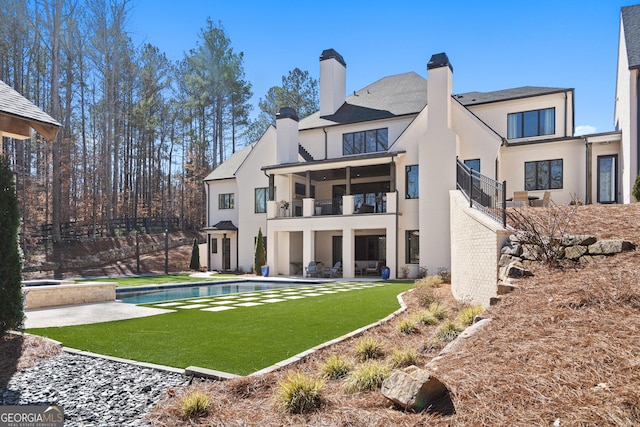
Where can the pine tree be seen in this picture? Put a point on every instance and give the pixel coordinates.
(195, 256)
(259, 254)
(11, 309)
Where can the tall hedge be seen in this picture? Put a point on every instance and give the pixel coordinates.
(195, 256)
(11, 310)
(260, 256)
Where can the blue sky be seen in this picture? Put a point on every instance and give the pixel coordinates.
(491, 45)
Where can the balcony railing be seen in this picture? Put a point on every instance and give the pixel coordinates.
(345, 205)
(483, 193)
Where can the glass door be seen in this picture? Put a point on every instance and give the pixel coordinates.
(607, 179)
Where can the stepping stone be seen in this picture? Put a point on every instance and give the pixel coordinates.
(248, 299)
(311, 294)
(248, 304)
(344, 290)
(200, 300)
(273, 300)
(294, 297)
(168, 304)
(221, 308)
(221, 302)
(228, 297)
(249, 295)
(329, 292)
(193, 306)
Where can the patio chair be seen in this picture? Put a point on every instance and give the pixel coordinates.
(373, 268)
(521, 198)
(545, 202)
(335, 271)
(312, 269)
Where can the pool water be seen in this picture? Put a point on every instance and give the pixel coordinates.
(169, 293)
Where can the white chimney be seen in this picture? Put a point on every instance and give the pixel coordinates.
(333, 82)
(439, 89)
(287, 136)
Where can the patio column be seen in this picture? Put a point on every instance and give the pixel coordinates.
(392, 250)
(348, 179)
(392, 177)
(272, 252)
(348, 253)
(271, 186)
(307, 187)
(308, 247)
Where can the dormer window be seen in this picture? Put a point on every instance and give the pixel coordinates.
(531, 123)
(369, 141)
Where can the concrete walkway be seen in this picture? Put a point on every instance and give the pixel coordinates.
(87, 313)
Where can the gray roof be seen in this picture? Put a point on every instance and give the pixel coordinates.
(225, 225)
(475, 98)
(230, 166)
(391, 96)
(631, 24)
(14, 104)
(405, 94)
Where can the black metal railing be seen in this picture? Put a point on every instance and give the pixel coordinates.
(328, 207)
(482, 192)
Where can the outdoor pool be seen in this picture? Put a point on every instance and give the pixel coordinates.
(145, 295)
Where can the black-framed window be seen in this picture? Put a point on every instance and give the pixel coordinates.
(526, 124)
(370, 141)
(543, 175)
(214, 245)
(225, 201)
(473, 164)
(411, 180)
(413, 247)
(261, 196)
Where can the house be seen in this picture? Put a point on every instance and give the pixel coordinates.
(366, 180)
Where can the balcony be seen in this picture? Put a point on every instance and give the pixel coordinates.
(347, 205)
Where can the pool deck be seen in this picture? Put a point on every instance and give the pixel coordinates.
(84, 314)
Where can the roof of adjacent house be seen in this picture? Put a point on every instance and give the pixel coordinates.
(230, 166)
(405, 94)
(14, 104)
(631, 25)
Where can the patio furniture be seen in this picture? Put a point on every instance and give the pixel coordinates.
(312, 269)
(373, 268)
(335, 271)
(545, 202)
(521, 198)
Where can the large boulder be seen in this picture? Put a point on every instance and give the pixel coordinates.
(610, 247)
(574, 252)
(413, 388)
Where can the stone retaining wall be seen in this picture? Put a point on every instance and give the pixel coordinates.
(68, 294)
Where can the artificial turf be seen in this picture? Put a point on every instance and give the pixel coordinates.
(239, 341)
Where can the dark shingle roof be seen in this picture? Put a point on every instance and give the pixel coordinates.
(631, 24)
(475, 98)
(225, 225)
(230, 166)
(14, 104)
(405, 94)
(388, 97)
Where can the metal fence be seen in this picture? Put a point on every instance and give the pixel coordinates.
(482, 192)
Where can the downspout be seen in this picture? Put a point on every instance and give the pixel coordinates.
(325, 143)
(589, 175)
(393, 160)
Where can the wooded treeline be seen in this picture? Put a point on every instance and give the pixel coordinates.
(139, 132)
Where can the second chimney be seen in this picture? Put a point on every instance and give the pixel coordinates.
(333, 82)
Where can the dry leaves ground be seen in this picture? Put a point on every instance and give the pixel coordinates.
(563, 349)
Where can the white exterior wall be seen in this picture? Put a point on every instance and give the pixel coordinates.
(626, 113)
(475, 140)
(495, 114)
(572, 152)
(476, 241)
(604, 146)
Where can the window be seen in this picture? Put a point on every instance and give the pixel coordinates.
(473, 164)
(413, 247)
(543, 175)
(214, 245)
(261, 199)
(370, 141)
(225, 201)
(411, 179)
(531, 123)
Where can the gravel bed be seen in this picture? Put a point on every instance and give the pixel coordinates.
(92, 391)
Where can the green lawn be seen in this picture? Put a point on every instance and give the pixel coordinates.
(240, 341)
(162, 279)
